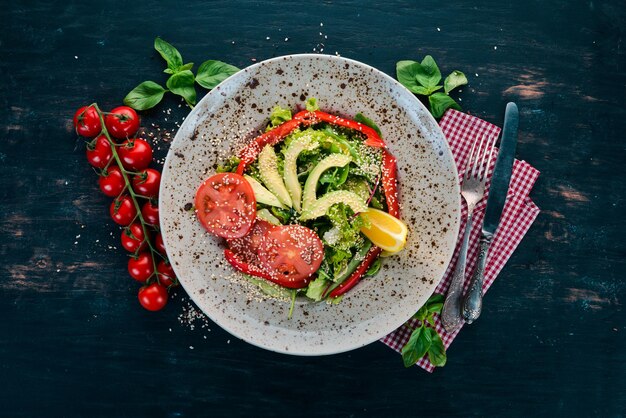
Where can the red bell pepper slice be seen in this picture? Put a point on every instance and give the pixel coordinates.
(390, 183)
(244, 267)
(358, 273)
(272, 137)
(373, 139)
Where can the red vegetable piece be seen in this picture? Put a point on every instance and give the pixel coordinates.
(390, 183)
(356, 276)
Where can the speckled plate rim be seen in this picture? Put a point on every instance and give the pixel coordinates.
(457, 193)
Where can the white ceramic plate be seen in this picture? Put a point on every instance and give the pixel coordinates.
(229, 116)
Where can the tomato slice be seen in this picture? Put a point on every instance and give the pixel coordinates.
(291, 254)
(247, 247)
(225, 205)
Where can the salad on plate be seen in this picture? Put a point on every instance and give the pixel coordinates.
(309, 206)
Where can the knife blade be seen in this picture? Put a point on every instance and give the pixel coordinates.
(472, 301)
(502, 171)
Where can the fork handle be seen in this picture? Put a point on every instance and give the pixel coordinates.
(451, 317)
(473, 300)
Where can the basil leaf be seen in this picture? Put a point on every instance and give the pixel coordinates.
(211, 73)
(454, 80)
(361, 118)
(418, 344)
(181, 83)
(169, 54)
(435, 303)
(436, 351)
(422, 313)
(429, 74)
(145, 96)
(436, 298)
(430, 319)
(406, 72)
(187, 66)
(168, 71)
(440, 102)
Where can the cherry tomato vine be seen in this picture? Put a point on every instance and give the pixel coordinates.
(134, 199)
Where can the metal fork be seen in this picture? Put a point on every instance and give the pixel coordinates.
(472, 190)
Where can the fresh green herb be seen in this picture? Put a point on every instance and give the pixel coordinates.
(279, 115)
(316, 288)
(424, 338)
(270, 289)
(229, 166)
(145, 96)
(311, 105)
(181, 80)
(170, 54)
(361, 118)
(182, 83)
(294, 293)
(424, 78)
(211, 73)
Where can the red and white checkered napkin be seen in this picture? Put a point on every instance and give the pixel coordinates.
(519, 213)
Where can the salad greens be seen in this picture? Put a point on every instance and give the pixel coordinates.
(320, 177)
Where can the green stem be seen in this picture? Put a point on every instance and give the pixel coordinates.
(131, 192)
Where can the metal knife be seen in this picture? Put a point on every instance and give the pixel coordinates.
(472, 301)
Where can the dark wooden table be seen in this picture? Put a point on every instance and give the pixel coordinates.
(74, 341)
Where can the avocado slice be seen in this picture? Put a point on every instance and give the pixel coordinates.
(310, 187)
(266, 215)
(321, 205)
(261, 194)
(290, 174)
(268, 170)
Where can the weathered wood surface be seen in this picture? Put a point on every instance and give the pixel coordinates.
(551, 340)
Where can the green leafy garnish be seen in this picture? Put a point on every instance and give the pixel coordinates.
(170, 55)
(423, 79)
(424, 339)
(361, 118)
(182, 83)
(212, 72)
(181, 80)
(279, 115)
(145, 96)
(311, 105)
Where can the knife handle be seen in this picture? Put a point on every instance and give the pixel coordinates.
(451, 318)
(473, 300)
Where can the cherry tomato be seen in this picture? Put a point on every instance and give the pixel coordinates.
(166, 274)
(100, 154)
(112, 182)
(291, 254)
(122, 122)
(136, 154)
(147, 182)
(133, 238)
(87, 121)
(225, 205)
(247, 247)
(141, 267)
(153, 297)
(150, 213)
(159, 245)
(123, 210)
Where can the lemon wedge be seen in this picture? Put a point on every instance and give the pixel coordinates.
(385, 231)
